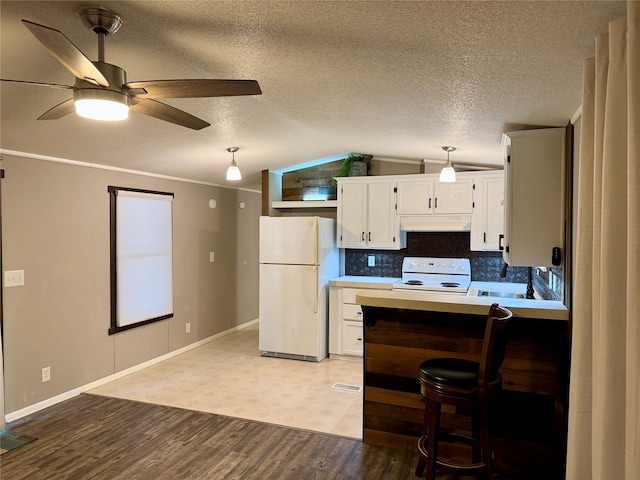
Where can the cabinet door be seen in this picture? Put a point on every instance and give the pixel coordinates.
(534, 213)
(454, 197)
(382, 215)
(352, 338)
(352, 215)
(415, 197)
(493, 211)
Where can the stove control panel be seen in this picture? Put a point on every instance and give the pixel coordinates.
(460, 266)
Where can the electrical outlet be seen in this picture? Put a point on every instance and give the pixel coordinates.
(46, 374)
(188, 327)
(371, 260)
(14, 278)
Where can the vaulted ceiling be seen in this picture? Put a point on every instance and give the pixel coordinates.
(391, 79)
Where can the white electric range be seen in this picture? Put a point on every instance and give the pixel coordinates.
(437, 275)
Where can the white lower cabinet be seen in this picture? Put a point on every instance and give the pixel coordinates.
(352, 338)
(346, 335)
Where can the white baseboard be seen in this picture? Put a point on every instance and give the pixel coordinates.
(348, 358)
(10, 417)
(18, 414)
(162, 358)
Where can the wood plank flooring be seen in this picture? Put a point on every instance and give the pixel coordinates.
(93, 437)
(90, 437)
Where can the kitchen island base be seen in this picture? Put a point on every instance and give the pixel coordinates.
(528, 415)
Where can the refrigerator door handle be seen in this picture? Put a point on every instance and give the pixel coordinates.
(316, 233)
(315, 303)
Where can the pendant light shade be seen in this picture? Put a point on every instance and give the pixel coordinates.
(233, 172)
(448, 174)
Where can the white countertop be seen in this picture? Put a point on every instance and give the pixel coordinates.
(355, 281)
(436, 302)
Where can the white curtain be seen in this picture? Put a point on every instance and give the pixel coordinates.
(604, 400)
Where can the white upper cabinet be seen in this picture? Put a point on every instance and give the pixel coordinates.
(415, 197)
(384, 230)
(534, 197)
(487, 223)
(352, 214)
(426, 196)
(454, 197)
(367, 214)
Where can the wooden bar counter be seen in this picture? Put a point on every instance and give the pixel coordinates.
(404, 328)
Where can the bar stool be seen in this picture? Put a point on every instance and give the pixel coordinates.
(466, 384)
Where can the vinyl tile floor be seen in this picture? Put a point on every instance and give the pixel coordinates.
(228, 376)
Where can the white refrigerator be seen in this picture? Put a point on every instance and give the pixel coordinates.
(298, 257)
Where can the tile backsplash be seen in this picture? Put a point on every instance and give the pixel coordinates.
(485, 266)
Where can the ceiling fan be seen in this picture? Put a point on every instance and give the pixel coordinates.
(100, 84)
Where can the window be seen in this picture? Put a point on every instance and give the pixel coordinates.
(141, 257)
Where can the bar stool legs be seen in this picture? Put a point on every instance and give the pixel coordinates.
(429, 452)
(479, 441)
(466, 384)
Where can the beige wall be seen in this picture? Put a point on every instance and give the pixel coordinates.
(381, 167)
(56, 228)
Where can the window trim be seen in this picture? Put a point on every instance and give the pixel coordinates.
(114, 327)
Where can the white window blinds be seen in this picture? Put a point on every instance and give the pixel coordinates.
(144, 251)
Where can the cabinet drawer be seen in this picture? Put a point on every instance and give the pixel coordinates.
(352, 312)
(349, 295)
(352, 339)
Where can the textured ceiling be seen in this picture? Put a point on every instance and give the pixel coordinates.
(390, 79)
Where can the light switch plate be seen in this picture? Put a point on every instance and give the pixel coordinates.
(14, 278)
(211, 257)
(371, 260)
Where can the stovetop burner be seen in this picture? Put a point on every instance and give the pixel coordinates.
(449, 284)
(414, 282)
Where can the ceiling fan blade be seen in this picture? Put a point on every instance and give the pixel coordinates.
(38, 84)
(192, 88)
(167, 113)
(59, 111)
(67, 53)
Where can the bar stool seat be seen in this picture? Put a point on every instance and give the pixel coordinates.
(467, 384)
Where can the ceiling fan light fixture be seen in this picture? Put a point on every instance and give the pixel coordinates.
(106, 105)
(233, 172)
(448, 174)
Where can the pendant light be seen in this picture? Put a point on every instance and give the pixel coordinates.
(448, 174)
(233, 172)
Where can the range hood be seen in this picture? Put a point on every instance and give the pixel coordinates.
(435, 223)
